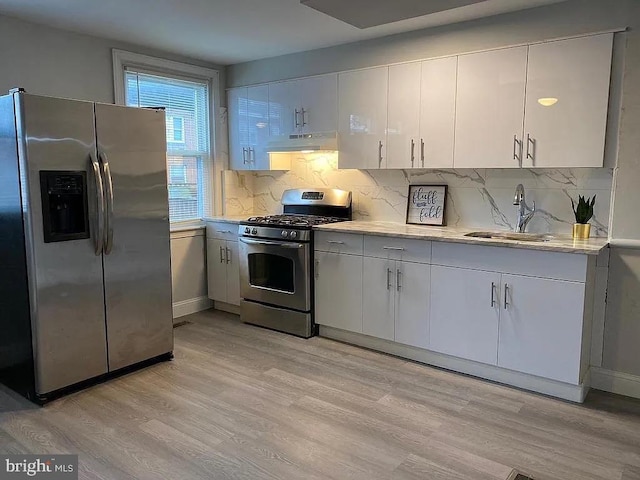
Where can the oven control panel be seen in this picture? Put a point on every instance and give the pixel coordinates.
(275, 233)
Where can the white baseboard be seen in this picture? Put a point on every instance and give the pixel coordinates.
(615, 382)
(193, 305)
(566, 391)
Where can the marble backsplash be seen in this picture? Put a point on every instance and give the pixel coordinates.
(477, 198)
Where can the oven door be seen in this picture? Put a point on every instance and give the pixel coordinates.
(276, 272)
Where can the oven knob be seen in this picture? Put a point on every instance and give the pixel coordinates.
(247, 230)
(284, 234)
(293, 234)
(254, 231)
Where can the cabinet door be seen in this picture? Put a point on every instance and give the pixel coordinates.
(338, 291)
(403, 121)
(284, 101)
(541, 327)
(437, 113)
(465, 313)
(217, 269)
(238, 139)
(233, 274)
(258, 126)
(378, 294)
(362, 118)
(413, 282)
(575, 75)
(319, 99)
(490, 108)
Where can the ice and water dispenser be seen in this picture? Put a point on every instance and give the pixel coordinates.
(65, 214)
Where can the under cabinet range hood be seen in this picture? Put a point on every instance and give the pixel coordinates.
(304, 143)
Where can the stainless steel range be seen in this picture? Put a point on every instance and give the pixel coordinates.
(276, 259)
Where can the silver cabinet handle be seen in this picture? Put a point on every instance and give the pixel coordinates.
(244, 155)
(224, 231)
(266, 243)
(252, 155)
(221, 254)
(303, 112)
(335, 242)
(380, 152)
(100, 205)
(398, 276)
(388, 279)
(506, 294)
(228, 251)
(422, 151)
(317, 264)
(398, 249)
(517, 149)
(296, 118)
(493, 292)
(108, 224)
(413, 149)
(531, 154)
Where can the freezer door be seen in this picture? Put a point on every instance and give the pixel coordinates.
(65, 271)
(137, 258)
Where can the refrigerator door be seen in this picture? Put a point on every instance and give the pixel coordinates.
(62, 204)
(137, 258)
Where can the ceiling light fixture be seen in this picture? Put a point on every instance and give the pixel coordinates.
(547, 101)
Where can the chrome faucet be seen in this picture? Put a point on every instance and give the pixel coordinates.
(525, 214)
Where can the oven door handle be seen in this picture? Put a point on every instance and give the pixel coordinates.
(296, 246)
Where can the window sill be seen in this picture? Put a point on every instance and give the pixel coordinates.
(186, 226)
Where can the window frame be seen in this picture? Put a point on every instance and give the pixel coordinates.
(123, 59)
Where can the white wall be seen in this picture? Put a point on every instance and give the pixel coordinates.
(48, 61)
(622, 328)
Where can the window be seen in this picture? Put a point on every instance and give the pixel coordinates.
(186, 99)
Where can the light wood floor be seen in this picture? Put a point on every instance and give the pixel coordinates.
(240, 402)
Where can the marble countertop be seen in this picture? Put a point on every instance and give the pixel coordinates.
(234, 219)
(557, 243)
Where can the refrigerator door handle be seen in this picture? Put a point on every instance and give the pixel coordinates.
(108, 224)
(100, 205)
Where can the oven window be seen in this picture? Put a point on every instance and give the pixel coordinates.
(271, 271)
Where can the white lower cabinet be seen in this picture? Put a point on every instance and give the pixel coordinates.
(223, 271)
(379, 293)
(338, 290)
(412, 303)
(465, 311)
(523, 310)
(541, 327)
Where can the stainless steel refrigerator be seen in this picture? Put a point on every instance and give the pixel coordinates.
(85, 272)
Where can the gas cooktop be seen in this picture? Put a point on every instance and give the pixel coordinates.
(301, 221)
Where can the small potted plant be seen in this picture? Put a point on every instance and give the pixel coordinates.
(583, 212)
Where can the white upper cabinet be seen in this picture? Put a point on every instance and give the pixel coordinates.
(362, 118)
(307, 105)
(489, 108)
(319, 105)
(437, 113)
(238, 141)
(567, 101)
(248, 109)
(258, 126)
(284, 108)
(403, 122)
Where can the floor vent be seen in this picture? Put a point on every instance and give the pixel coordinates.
(516, 475)
(187, 322)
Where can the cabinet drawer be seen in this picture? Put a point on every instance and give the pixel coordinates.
(519, 261)
(407, 249)
(222, 231)
(338, 242)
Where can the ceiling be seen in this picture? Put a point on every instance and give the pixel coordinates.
(233, 31)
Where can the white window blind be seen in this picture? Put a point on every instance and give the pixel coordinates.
(186, 104)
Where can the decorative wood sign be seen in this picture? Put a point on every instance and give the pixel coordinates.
(426, 204)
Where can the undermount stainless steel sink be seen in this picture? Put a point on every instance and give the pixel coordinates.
(522, 237)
